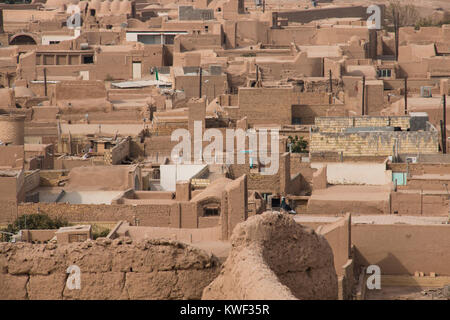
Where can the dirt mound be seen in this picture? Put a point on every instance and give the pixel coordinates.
(273, 257)
(110, 269)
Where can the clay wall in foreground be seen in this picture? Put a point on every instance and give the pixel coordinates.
(109, 269)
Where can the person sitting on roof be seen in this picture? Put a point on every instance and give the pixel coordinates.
(286, 207)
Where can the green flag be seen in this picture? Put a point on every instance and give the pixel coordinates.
(156, 71)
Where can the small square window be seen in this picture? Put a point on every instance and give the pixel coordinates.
(88, 59)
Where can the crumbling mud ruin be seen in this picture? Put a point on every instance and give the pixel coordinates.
(272, 257)
(117, 269)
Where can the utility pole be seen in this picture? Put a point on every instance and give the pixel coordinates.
(200, 85)
(396, 32)
(444, 125)
(406, 95)
(331, 81)
(45, 81)
(363, 95)
(257, 73)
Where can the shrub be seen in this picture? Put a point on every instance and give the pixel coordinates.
(299, 145)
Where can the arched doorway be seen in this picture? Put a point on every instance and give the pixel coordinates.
(22, 39)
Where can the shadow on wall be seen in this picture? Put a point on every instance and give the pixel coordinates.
(388, 263)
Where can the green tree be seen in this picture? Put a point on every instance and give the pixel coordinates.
(35, 221)
(298, 145)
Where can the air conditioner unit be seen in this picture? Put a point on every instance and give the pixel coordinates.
(411, 159)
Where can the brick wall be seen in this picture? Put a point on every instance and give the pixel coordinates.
(339, 124)
(375, 143)
(157, 215)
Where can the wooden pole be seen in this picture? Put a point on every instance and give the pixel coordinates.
(363, 95)
(200, 86)
(444, 129)
(406, 95)
(331, 81)
(45, 81)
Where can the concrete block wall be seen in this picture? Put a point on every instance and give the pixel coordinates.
(339, 124)
(375, 143)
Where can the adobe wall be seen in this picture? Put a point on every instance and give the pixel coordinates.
(305, 16)
(311, 35)
(358, 173)
(418, 202)
(99, 178)
(338, 235)
(37, 236)
(321, 206)
(83, 89)
(319, 179)
(247, 32)
(403, 249)
(12, 129)
(305, 170)
(11, 193)
(12, 156)
(266, 105)
(257, 181)
(212, 85)
(301, 66)
(32, 180)
(190, 42)
(273, 257)
(117, 269)
(307, 113)
(157, 215)
(120, 152)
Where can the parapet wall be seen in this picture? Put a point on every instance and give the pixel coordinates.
(403, 249)
(305, 16)
(339, 124)
(109, 269)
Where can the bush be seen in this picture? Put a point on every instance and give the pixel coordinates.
(99, 231)
(35, 221)
(109, 77)
(299, 145)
